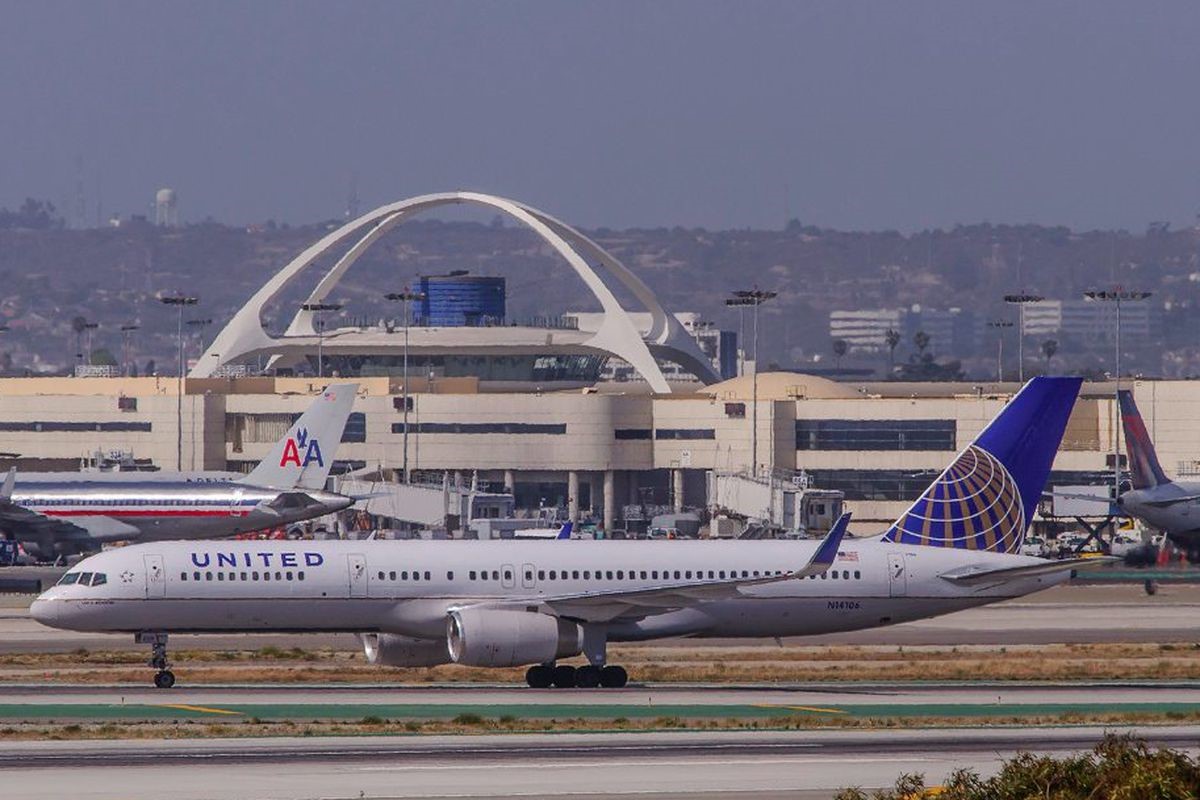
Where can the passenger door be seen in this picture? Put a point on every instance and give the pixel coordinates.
(508, 576)
(897, 575)
(528, 576)
(357, 566)
(156, 577)
(235, 503)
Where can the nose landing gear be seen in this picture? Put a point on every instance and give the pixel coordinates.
(164, 678)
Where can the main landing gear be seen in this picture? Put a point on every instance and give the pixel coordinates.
(164, 678)
(564, 676)
(595, 673)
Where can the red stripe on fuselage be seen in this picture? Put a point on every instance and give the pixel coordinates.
(143, 512)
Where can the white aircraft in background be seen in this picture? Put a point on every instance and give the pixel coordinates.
(500, 604)
(53, 516)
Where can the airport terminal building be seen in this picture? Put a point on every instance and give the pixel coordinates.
(459, 388)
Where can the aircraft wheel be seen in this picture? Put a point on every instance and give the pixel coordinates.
(539, 676)
(613, 677)
(564, 677)
(164, 679)
(587, 677)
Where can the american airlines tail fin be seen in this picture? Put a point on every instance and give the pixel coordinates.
(986, 498)
(303, 457)
(1144, 469)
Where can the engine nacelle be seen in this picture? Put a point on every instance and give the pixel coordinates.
(391, 650)
(503, 638)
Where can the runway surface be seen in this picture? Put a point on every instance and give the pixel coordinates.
(1069, 614)
(966, 702)
(660, 765)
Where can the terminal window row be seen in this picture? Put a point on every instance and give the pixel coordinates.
(876, 434)
(684, 433)
(242, 576)
(53, 426)
(511, 428)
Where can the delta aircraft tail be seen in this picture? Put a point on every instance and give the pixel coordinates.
(986, 498)
(1144, 469)
(303, 457)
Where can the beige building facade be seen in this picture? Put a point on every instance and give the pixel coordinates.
(595, 450)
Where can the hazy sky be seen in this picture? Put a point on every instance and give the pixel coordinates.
(854, 115)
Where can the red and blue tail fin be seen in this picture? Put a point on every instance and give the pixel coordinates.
(1144, 469)
(986, 498)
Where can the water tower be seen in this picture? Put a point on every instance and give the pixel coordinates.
(166, 213)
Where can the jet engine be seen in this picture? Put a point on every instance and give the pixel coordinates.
(503, 638)
(391, 650)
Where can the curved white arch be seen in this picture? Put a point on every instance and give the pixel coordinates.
(617, 334)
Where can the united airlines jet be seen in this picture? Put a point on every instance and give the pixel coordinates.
(54, 518)
(501, 604)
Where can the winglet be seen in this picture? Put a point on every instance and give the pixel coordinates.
(825, 555)
(565, 533)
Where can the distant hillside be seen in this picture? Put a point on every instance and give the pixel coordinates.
(49, 275)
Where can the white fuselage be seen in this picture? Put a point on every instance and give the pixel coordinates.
(409, 587)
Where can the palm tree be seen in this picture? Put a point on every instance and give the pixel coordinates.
(1049, 348)
(839, 349)
(921, 340)
(892, 337)
(79, 325)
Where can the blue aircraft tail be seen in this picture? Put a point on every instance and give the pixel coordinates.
(1144, 470)
(565, 533)
(986, 498)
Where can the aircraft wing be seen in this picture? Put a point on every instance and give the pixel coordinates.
(47, 533)
(978, 574)
(608, 605)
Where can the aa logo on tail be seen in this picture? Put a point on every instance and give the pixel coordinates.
(301, 444)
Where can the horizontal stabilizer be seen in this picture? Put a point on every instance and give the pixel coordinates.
(979, 574)
(1170, 501)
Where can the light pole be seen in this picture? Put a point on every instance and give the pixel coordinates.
(179, 301)
(317, 309)
(999, 325)
(752, 298)
(407, 296)
(1021, 300)
(126, 333)
(1117, 295)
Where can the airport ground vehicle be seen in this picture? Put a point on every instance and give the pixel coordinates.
(498, 604)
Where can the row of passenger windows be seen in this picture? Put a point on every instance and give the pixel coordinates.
(620, 575)
(242, 576)
(404, 575)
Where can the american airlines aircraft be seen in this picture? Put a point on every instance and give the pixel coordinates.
(53, 518)
(508, 603)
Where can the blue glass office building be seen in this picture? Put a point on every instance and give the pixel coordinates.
(459, 300)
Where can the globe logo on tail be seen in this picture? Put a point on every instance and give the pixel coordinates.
(973, 505)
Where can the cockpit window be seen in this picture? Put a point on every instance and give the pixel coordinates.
(85, 579)
(68, 579)
(99, 579)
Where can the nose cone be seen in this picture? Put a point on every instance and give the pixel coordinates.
(45, 611)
